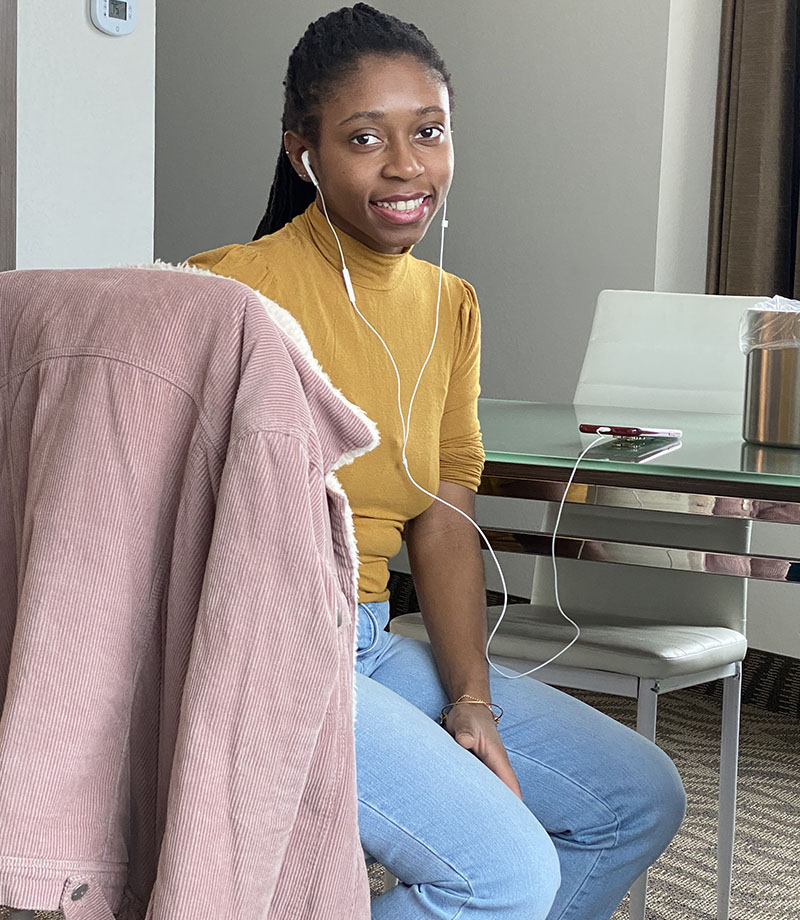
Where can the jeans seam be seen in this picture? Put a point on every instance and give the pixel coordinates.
(430, 850)
(597, 798)
(550, 769)
(582, 886)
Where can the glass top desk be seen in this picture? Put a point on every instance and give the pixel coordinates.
(531, 449)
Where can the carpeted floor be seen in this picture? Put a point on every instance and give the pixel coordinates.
(766, 883)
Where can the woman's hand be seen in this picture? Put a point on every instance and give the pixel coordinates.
(474, 728)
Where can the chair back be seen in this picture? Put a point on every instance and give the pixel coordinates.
(656, 350)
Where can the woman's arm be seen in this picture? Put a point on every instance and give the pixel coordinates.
(445, 554)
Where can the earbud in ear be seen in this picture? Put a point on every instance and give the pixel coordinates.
(306, 162)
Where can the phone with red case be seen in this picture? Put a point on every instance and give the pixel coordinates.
(628, 431)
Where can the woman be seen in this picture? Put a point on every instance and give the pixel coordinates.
(555, 810)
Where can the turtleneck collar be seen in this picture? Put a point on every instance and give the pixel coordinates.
(378, 271)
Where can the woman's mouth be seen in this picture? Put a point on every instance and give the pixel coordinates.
(398, 210)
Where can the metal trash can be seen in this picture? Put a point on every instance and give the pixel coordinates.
(770, 337)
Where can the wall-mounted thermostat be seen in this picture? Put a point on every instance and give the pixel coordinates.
(114, 17)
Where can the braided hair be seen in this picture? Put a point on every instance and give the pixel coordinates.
(329, 51)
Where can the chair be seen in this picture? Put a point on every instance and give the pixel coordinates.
(646, 631)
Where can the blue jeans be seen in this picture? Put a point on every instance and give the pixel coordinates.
(600, 801)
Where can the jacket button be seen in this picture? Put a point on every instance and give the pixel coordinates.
(339, 616)
(79, 892)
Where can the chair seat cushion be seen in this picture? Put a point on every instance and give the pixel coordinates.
(624, 645)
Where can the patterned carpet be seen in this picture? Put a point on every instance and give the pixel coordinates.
(766, 882)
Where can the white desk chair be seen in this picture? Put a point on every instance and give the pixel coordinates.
(665, 351)
(646, 631)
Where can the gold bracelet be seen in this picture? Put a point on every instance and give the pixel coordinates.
(466, 698)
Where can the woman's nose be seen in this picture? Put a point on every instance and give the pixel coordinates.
(403, 162)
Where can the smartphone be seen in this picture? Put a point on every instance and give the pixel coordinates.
(633, 450)
(626, 431)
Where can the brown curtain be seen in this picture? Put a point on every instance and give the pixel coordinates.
(753, 235)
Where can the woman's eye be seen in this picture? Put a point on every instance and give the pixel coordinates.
(364, 140)
(432, 132)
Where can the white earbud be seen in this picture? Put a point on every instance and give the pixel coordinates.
(306, 162)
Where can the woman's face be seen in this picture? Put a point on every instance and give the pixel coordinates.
(384, 160)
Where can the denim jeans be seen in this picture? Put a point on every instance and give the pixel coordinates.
(600, 801)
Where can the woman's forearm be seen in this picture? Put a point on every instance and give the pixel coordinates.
(446, 562)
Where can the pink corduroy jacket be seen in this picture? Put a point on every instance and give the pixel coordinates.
(177, 604)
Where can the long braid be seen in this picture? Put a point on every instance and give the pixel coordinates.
(289, 196)
(330, 50)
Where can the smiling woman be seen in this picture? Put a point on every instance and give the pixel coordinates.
(386, 169)
(555, 810)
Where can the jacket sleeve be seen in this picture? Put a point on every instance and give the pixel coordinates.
(261, 677)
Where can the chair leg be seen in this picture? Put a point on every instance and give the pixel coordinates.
(646, 711)
(647, 708)
(729, 764)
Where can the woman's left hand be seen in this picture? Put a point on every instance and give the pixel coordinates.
(474, 728)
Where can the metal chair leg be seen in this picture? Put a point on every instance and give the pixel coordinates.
(638, 900)
(729, 766)
(646, 712)
(647, 708)
(389, 880)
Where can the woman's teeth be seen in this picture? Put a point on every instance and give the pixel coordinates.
(401, 205)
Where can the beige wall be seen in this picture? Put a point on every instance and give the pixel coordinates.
(558, 147)
(85, 138)
(583, 140)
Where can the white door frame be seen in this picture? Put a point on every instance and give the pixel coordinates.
(8, 134)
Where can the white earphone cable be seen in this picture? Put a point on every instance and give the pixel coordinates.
(405, 422)
(572, 622)
(352, 297)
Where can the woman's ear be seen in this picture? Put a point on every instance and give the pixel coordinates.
(295, 146)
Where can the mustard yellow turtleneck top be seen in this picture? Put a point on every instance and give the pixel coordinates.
(300, 269)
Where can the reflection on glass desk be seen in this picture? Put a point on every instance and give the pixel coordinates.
(531, 449)
(632, 450)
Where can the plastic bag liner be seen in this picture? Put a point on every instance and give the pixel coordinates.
(774, 323)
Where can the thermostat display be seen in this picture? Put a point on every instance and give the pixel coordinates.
(114, 17)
